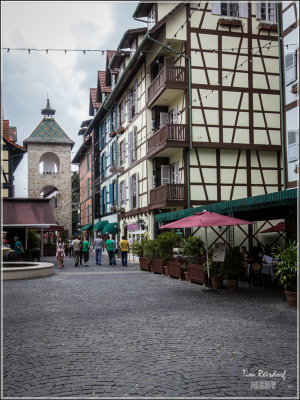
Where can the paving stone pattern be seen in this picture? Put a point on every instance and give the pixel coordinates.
(108, 332)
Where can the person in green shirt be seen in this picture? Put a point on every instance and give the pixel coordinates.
(86, 251)
(110, 247)
(18, 248)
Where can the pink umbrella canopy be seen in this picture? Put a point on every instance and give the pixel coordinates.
(276, 228)
(205, 219)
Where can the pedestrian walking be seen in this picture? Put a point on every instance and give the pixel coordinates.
(60, 253)
(109, 244)
(18, 248)
(114, 262)
(81, 252)
(76, 250)
(99, 247)
(86, 251)
(125, 248)
(70, 247)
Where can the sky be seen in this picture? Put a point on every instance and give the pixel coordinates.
(27, 79)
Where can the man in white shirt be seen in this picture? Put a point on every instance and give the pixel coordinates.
(99, 247)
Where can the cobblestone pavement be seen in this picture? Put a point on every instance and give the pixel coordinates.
(116, 332)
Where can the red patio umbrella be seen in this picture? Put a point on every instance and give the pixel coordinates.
(205, 219)
(276, 228)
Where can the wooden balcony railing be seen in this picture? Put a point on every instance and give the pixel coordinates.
(169, 77)
(169, 134)
(169, 192)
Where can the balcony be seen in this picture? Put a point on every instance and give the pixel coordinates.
(169, 135)
(170, 195)
(169, 81)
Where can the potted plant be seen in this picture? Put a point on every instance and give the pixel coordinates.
(215, 274)
(233, 267)
(122, 210)
(150, 251)
(184, 267)
(287, 271)
(166, 242)
(137, 249)
(193, 249)
(294, 88)
(228, 21)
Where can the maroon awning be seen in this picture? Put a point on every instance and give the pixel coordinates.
(21, 212)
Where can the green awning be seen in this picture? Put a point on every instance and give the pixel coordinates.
(265, 201)
(100, 225)
(111, 228)
(86, 227)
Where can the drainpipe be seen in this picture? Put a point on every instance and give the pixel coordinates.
(282, 130)
(190, 110)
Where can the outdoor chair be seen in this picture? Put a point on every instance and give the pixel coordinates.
(256, 275)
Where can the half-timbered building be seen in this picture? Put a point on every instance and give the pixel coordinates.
(11, 156)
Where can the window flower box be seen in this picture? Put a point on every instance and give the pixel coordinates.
(294, 88)
(267, 26)
(230, 22)
(121, 169)
(122, 210)
(113, 208)
(120, 130)
(112, 169)
(112, 134)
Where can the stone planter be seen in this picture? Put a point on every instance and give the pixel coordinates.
(157, 266)
(197, 273)
(144, 265)
(291, 298)
(175, 269)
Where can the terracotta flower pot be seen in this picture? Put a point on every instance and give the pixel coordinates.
(187, 276)
(232, 284)
(216, 282)
(291, 298)
(166, 269)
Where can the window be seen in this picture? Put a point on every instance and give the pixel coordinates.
(88, 166)
(112, 154)
(122, 152)
(132, 102)
(121, 113)
(103, 166)
(151, 18)
(134, 191)
(266, 11)
(103, 200)
(88, 184)
(123, 192)
(165, 174)
(230, 9)
(132, 146)
(173, 115)
(133, 47)
(121, 68)
(290, 68)
(88, 214)
(174, 171)
(292, 145)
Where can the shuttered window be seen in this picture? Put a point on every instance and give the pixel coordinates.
(266, 11)
(290, 68)
(134, 191)
(230, 9)
(292, 145)
(123, 192)
(165, 174)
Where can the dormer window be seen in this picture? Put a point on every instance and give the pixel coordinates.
(122, 67)
(151, 17)
(133, 47)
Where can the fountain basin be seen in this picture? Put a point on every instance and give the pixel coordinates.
(25, 270)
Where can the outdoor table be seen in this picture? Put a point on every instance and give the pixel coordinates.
(268, 269)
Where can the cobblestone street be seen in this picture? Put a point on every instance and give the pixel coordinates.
(103, 331)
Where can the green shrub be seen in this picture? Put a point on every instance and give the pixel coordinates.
(287, 266)
(166, 242)
(192, 247)
(137, 248)
(33, 240)
(150, 250)
(233, 263)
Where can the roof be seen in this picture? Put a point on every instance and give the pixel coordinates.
(48, 131)
(256, 208)
(129, 36)
(93, 101)
(142, 10)
(102, 82)
(9, 134)
(27, 212)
